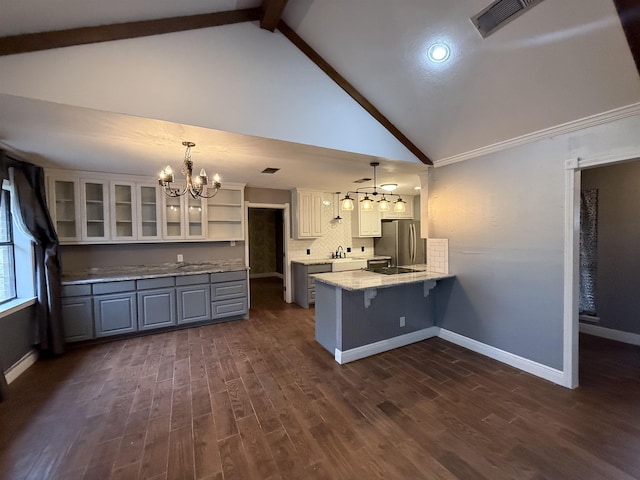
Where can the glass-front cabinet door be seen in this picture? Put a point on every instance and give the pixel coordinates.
(123, 211)
(95, 210)
(64, 207)
(195, 214)
(172, 218)
(148, 209)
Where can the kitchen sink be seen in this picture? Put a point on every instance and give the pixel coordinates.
(344, 264)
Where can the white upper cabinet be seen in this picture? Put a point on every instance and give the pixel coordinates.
(307, 213)
(64, 206)
(225, 214)
(94, 207)
(365, 223)
(148, 213)
(123, 210)
(195, 213)
(172, 218)
(95, 210)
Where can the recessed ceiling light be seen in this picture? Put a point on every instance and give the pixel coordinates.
(389, 187)
(416, 188)
(438, 52)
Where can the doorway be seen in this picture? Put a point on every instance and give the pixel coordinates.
(572, 324)
(266, 250)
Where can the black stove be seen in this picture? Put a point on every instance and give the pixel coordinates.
(391, 270)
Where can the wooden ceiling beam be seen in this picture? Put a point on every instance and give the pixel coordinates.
(629, 13)
(271, 13)
(33, 42)
(351, 90)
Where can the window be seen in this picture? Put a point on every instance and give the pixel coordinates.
(7, 260)
(17, 262)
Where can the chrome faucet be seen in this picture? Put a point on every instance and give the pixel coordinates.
(340, 252)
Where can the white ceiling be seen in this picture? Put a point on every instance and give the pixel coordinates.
(561, 61)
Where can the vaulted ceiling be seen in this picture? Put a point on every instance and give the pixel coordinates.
(559, 62)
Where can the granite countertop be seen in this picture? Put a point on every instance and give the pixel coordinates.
(137, 272)
(320, 261)
(361, 279)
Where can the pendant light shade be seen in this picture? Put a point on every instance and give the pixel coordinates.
(383, 205)
(367, 204)
(400, 206)
(347, 203)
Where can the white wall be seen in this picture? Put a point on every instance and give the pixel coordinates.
(503, 214)
(237, 78)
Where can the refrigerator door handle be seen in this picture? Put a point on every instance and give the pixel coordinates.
(412, 243)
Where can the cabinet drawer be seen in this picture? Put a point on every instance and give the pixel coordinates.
(312, 295)
(76, 290)
(114, 287)
(321, 268)
(192, 279)
(223, 291)
(149, 283)
(228, 276)
(229, 308)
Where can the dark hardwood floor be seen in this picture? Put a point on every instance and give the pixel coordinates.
(259, 399)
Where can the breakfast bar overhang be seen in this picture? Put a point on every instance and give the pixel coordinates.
(361, 313)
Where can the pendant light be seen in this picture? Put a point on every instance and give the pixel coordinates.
(367, 203)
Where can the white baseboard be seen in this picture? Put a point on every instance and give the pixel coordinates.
(21, 366)
(521, 363)
(611, 334)
(385, 345)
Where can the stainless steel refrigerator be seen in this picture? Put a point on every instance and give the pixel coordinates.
(401, 240)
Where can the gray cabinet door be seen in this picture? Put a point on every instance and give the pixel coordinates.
(156, 308)
(77, 318)
(194, 304)
(114, 314)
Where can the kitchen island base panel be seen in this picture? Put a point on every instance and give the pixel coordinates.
(385, 345)
(348, 320)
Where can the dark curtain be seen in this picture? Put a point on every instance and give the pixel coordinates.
(29, 187)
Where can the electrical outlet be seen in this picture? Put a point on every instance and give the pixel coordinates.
(180, 258)
(308, 251)
(348, 249)
(402, 321)
(362, 249)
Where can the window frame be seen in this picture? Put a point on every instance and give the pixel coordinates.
(5, 203)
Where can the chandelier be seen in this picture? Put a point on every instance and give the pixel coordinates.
(399, 206)
(195, 186)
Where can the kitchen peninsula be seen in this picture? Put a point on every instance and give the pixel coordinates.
(361, 313)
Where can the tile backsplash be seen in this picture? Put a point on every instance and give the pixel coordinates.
(438, 255)
(334, 234)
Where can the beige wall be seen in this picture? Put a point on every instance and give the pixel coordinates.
(80, 257)
(266, 195)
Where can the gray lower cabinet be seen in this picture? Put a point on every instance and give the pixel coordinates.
(304, 287)
(114, 308)
(194, 301)
(103, 309)
(229, 295)
(115, 314)
(77, 318)
(156, 303)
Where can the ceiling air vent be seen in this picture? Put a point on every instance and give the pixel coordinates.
(499, 13)
(362, 180)
(270, 170)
